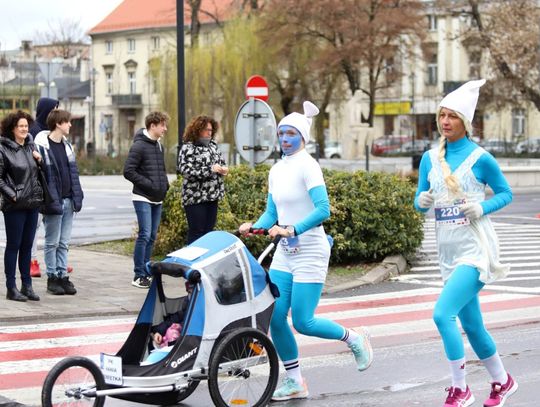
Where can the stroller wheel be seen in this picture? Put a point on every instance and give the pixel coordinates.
(69, 382)
(244, 369)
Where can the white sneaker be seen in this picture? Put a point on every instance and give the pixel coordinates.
(141, 282)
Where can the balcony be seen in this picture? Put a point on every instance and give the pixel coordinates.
(130, 101)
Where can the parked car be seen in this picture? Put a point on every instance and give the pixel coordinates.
(332, 149)
(415, 147)
(388, 144)
(531, 145)
(495, 146)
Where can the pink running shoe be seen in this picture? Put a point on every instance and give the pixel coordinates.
(458, 398)
(499, 393)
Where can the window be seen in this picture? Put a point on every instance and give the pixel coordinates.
(227, 280)
(432, 22)
(132, 83)
(131, 45)
(155, 43)
(108, 47)
(432, 70)
(518, 122)
(109, 82)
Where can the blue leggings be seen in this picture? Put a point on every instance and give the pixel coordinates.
(301, 299)
(459, 297)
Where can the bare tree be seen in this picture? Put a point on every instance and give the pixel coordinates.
(64, 36)
(356, 37)
(508, 32)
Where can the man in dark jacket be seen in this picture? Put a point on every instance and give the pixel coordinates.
(43, 108)
(65, 189)
(145, 168)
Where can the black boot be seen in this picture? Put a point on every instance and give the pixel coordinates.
(54, 285)
(29, 292)
(68, 286)
(15, 295)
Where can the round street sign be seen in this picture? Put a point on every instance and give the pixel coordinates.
(256, 87)
(255, 131)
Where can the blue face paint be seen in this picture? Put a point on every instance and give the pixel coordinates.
(290, 140)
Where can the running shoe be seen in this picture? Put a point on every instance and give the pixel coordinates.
(362, 350)
(458, 398)
(500, 392)
(290, 389)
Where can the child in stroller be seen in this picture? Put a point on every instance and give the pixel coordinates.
(165, 334)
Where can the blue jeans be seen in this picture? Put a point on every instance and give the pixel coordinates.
(57, 237)
(148, 217)
(20, 231)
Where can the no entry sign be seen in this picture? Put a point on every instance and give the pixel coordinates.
(257, 88)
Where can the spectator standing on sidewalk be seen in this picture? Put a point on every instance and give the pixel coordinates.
(202, 168)
(62, 176)
(145, 168)
(453, 178)
(21, 196)
(43, 108)
(297, 205)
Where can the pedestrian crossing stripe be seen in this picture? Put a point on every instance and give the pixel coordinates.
(27, 352)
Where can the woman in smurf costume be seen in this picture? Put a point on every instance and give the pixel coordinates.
(452, 178)
(297, 204)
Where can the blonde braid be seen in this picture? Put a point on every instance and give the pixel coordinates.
(450, 180)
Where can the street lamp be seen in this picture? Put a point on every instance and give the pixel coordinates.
(180, 72)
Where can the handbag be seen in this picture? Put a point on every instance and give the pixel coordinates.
(47, 197)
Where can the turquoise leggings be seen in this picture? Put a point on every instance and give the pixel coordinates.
(459, 297)
(301, 299)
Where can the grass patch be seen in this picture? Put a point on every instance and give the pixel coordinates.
(122, 247)
(355, 270)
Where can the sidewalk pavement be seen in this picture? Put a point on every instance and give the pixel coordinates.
(103, 283)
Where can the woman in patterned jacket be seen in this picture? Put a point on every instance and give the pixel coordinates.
(203, 168)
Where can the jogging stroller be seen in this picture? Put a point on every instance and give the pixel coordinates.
(223, 337)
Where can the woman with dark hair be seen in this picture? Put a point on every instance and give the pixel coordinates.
(203, 168)
(21, 195)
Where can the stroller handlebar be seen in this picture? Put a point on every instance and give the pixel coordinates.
(175, 270)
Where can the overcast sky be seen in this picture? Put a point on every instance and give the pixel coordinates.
(22, 18)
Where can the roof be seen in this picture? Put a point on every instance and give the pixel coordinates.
(140, 14)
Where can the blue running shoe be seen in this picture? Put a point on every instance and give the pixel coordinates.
(362, 350)
(290, 389)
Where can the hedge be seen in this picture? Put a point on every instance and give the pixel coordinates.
(371, 213)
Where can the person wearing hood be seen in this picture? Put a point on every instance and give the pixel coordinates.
(202, 167)
(296, 207)
(145, 168)
(43, 108)
(62, 176)
(453, 178)
(21, 195)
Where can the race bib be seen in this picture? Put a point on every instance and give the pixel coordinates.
(451, 215)
(290, 245)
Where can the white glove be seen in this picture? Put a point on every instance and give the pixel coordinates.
(472, 210)
(425, 200)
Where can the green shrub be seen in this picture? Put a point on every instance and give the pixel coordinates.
(371, 213)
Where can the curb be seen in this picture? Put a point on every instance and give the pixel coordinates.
(389, 267)
(5, 402)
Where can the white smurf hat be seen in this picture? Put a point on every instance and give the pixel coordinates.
(463, 100)
(301, 122)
